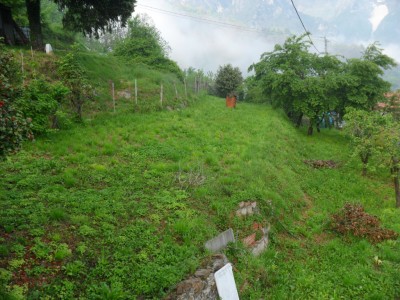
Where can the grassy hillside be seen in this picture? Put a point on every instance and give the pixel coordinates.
(121, 208)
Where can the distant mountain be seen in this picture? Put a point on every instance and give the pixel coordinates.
(345, 20)
(348, 25)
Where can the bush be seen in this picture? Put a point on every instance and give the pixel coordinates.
(144, 44)
(40, 101)
(228, 80)
(13, 127)
(75, 80)
(352, 219)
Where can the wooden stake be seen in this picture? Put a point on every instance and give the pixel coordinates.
(113, 94)
(184, 81)
(176, 91)
(136, 100)
(130, 91)
(161, 96)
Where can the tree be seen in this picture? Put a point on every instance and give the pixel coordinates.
(144, 44)
(361, 85)
(298, 81)
(88, 16)
(311, 85)
(227, 80)
(73, 77)
(363, 128)
(389, 140)
(375, 134)
(13, 127)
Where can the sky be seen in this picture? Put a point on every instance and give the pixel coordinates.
(207, 46)
(203, 45)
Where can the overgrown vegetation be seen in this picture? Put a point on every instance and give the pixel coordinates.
(374, 134)
(125, 205)
(306, 84)
(72, 75)
(14, 128)
(143, 44)
(119, 206)
(227, 80)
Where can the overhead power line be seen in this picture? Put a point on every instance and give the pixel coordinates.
(305, 29)
(210, 21)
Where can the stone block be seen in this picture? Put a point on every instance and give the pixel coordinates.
(220, 241)
(202, 273)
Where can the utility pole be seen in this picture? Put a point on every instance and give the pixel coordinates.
(326, 45)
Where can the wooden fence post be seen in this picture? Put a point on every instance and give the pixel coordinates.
(176, 91)
(130, 90)
(113, 94)
(184, 81)
(161, 95)
(136, 100)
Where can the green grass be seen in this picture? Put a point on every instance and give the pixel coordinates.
(122, 206)
(101, 69)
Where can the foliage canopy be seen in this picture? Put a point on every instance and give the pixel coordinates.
(307, 84)
(13, 127)
(87, 16)
(227, 80)
(144, 44)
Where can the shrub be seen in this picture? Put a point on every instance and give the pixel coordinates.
(352, 219)
(75, 80)
(144, 44)
(13, 127)
(40, 102)
(228, 80)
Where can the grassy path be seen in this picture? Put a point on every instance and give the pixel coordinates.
(123, 205)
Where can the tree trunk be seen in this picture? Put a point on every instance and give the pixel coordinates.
(364, 170)
(310, 130)
(364, 160)
(299, 119)
(33, 11)
(20, 33)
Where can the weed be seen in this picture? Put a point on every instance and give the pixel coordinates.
(57, 214)
(100, 203)
(62, 252)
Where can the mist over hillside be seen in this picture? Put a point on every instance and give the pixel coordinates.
(342, 27)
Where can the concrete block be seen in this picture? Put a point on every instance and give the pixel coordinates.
(220, 241)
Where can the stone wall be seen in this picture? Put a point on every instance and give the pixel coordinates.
(201, 285)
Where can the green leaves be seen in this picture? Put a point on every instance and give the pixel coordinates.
(374, 134)
(228, 80)
(304, 83)
(13, 127)
(75, 80)
(40, 101)
(143, 44)
(92, 17)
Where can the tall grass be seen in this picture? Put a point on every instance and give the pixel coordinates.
(124, 204)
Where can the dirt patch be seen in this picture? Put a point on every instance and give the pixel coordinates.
(322, 164)
(322, 238)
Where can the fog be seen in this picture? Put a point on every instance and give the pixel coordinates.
(204, 45)
(207, 45)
